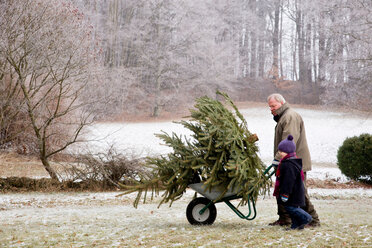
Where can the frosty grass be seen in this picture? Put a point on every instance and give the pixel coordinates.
(104, 220)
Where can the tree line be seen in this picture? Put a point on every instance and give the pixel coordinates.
(318, 51)
(66, 64)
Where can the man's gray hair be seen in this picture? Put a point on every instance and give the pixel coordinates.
(278, 97)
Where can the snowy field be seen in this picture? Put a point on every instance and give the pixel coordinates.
(104, 220)
(325, 130)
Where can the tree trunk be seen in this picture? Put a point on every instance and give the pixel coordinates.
(301, 52)
(49, 169)
(261, 42)
(111, 58)
(325, 44)
(253, 38)
(280, 44)
(275, 39)
(294, 57)
(253, 54)
(243, 54)
(157, 104)
(308, 63)
(244, 43)
(300, 43)
(315, 64)
(339, 57)
(321, 56)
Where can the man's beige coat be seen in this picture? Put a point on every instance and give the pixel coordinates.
(290, 122)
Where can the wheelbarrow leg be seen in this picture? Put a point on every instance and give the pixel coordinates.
(240, 214)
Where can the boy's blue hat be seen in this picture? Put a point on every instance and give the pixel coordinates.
(287, 145)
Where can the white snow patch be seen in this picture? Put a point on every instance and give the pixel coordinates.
(344, 193)
(325, 130)
(324, 173)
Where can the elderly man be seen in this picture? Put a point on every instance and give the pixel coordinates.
(290, 122)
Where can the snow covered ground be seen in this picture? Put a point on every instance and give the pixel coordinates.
(326, 130)
(104, 220)
(68, 219)
(40, 200)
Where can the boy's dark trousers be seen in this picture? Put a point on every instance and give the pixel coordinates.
(284, 217)
(299, 217)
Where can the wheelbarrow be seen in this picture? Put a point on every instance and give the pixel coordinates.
(202, 210)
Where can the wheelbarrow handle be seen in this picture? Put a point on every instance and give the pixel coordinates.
(269, 172)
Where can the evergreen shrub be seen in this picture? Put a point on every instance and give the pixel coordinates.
(355, 158)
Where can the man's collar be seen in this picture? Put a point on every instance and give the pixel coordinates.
(280, 111)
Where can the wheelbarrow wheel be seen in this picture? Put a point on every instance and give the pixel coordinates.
(193, 212)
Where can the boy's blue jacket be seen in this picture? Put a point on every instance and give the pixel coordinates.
(291, 183)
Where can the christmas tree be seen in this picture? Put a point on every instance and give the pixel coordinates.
(221, 153)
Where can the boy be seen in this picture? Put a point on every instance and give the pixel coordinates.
(289, 187)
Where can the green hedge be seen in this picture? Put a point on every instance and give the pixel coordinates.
(355, 158)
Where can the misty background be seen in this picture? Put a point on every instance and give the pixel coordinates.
(160, 55)
(65, 65)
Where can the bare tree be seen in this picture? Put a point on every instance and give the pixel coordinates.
(11, 108)
(48, 49)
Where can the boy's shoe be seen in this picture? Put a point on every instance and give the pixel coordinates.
(313, 224)
(301, 227)
(279, 223)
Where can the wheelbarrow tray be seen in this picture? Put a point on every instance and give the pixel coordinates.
(215, 192)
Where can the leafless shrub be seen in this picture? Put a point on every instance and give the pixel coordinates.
(109, 167)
